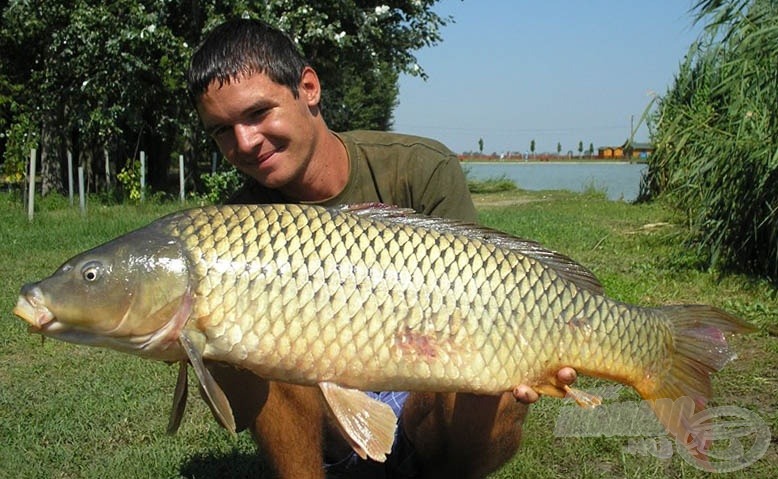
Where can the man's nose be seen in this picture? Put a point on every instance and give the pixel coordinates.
(246, 138)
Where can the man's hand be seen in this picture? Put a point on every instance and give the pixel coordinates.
(527, 395)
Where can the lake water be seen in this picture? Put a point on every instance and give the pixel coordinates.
(620, 181)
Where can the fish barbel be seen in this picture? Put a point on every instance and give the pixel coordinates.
(369, 297)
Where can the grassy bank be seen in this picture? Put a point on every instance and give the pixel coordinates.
(72, 411)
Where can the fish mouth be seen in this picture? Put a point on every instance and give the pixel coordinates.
(30, 308)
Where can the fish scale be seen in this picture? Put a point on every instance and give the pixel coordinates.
(412, 321)
(373, 298)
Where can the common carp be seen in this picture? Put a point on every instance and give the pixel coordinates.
(373, 298)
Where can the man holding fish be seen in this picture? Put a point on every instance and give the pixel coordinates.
(259, 99)
(324, 303)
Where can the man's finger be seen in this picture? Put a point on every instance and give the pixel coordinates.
(525, 394)
(567, 376)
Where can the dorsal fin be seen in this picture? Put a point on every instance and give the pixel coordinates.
(563, 265)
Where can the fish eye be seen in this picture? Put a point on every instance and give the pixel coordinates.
(91, 271)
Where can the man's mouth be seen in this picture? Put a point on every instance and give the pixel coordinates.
(265, 156)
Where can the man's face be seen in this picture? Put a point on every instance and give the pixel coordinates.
(261, 128)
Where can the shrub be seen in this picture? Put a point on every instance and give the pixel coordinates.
(129, 178)
(491, 185)
(220, 185)
(716, 137)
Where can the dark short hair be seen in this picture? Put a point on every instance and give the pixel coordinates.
(244, 47)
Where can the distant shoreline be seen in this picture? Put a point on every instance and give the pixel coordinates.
(598, 161)
(618, 179)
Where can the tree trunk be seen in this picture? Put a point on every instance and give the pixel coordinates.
(52, 167)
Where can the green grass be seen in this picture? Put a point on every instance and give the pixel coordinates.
(76, 412)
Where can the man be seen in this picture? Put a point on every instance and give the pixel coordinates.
(259, 100)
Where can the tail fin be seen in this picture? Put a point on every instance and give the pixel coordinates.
(699, 349)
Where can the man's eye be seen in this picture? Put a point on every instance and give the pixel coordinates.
(258, 114)
(217, 132)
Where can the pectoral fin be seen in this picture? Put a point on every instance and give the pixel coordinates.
(215, 397)
(368, 425)
(179, 399)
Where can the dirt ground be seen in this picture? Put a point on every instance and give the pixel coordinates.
(504, 199)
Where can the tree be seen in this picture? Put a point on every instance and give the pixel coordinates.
(481, 146)
(89, 76)
(558, 148)
(130, 99)
(591, 149)
(580, 148)
(532, 147)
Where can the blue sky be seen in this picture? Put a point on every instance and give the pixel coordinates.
(510, 71)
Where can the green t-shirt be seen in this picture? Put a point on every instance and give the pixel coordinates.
(394, 169)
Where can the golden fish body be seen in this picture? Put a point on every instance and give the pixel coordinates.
(372, 298)
(328, 296)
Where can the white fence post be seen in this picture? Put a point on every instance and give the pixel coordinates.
(107, 170)
(31, 190)
(181, 177)
(81, 192)
(142, 176)
(70, 177)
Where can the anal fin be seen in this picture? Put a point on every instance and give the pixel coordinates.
(368, 425)
(582, 398)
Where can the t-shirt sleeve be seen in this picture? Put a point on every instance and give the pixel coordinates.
(445, 193)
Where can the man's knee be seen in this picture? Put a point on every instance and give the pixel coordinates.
(289, 430)
(463, 434)
(245, 391)
(286, 421)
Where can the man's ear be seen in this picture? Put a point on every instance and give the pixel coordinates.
(310, 88)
